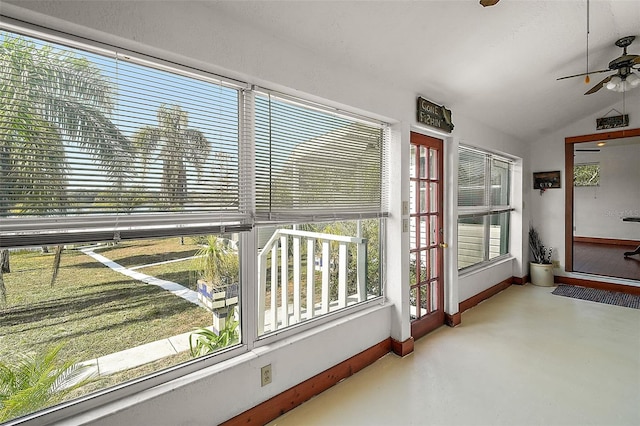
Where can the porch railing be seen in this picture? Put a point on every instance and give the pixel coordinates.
(289, 303)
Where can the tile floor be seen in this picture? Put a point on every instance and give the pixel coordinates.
(523, 357)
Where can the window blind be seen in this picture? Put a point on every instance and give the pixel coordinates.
(313, 163)
(96, 146)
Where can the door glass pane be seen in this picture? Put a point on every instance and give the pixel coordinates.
(434, 264)
(433, 230)
(424, 232)
(423, 198)
(433, 194)
(413, 208)
(412, 162)
(424, 265)
(413, 269)
(423, 162)
(433, 164)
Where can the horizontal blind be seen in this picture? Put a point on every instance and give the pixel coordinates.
(93, 144)
(313, 163)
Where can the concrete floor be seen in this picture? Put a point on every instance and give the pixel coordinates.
(523, 357)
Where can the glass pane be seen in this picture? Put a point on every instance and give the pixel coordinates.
(434, 230)
(424, 300)
(413, 233)
(433, 263)
(424, 232)
(433, 164)
(413, 302)
(471, 241)
(471, 175)
(424, 266)
(413, 208)
(434, 296)
(433, 193)
(412, 162)
(499, 234)
(423, 162)
(500, 182)
(423, 198)
(413, 265)
(110, 299)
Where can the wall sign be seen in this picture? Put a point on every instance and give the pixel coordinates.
(544, 180)
(434, 115)
(612, 122)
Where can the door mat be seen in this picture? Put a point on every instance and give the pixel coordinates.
(596, 295)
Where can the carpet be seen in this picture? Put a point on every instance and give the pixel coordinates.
(596, 295)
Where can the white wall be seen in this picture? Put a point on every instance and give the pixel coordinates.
(547, 154)
(598, 210)
(195, 34)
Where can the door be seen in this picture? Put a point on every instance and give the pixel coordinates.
(426, 235)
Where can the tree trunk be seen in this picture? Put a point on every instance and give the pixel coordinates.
(3, 291)
(4, 261)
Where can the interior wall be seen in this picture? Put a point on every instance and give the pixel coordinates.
(195, 34)
(598, 210)
(547, 154)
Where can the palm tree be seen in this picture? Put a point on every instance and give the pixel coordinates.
(34, 383)
(49, 98)
(176, 146)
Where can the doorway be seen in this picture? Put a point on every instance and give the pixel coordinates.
(426, 234)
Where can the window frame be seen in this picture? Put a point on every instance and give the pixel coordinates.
(487, 210)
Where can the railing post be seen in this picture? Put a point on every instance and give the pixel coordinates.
(325, 277)
(274, 286)
(342, 275)
(296, 280)
(362, 271)
(262, 291)
(311, 266)
(284, 279)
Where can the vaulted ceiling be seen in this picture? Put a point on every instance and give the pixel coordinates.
(497, 64)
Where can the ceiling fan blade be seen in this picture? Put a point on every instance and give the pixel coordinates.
(584, 73)
(486, 3)
(599, 86)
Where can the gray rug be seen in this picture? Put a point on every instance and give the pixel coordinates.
(596, 295)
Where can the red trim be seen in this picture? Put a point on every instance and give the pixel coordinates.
(601, 285)
(610, 241)
(453, 320)
(484, 295)
(402, 348)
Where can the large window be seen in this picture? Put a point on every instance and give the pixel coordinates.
(128, 188)
(483, 206)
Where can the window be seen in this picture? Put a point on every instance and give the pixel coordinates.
(586, 174)
(128, 188)
(483, 206)
(320, 197)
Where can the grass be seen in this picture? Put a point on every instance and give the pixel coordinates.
(94, 310)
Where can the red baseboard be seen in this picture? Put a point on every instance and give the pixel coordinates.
(291, 398)
(609, 241)
(602, 285)
(402, 348)
(484, 295)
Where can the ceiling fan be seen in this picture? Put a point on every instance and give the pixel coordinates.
(626, 67)
(486, 3)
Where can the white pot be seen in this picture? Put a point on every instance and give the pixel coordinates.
(541, 274)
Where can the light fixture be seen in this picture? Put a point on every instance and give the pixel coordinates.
(601, 143)
(623, 83)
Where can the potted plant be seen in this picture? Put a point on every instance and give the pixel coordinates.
(217, 267)
(541, 267)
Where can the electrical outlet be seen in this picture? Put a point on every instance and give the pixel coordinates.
(555, 263)
(265, 375)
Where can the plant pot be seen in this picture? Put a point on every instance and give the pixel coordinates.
(541, 274)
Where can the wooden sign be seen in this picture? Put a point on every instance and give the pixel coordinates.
(434, 115)
(544, 180)
(612, 122)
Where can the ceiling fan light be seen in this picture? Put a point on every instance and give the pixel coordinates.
(633, 80)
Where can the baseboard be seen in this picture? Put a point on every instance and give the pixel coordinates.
(519, 280)
(291, 398)
(609, 241)
(484, 295)
(601, 285)
(402, 348)
(453, 319)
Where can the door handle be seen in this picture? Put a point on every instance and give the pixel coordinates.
(443, 245)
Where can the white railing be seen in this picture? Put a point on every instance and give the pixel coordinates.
(285, 310)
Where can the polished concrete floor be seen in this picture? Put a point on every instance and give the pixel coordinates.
(523, 357)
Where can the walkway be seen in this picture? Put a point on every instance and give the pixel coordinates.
(149, 352)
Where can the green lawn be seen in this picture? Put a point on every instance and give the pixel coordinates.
(91, 308)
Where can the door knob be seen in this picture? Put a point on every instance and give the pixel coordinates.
(443, 245)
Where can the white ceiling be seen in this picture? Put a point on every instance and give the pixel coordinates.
(497, 65)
